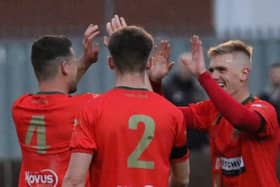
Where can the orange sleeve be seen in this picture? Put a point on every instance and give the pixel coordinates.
(180, 151)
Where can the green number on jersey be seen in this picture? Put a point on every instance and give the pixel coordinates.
(37, 123)
(133, 159)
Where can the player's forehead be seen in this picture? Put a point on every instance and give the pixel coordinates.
(230, 60)
(223, 60)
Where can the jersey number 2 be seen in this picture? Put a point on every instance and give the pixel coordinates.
(133, 159)
(37, 123)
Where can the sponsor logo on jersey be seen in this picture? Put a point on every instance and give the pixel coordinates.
(231, 166)
(44, 177)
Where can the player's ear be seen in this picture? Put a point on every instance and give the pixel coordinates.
(149, 63)
(111, 63)
(245, 74)
(64, 67)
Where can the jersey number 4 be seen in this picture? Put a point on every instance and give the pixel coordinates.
(37, 124)
(133, 159)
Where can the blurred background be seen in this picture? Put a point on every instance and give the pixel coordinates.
(254, 21)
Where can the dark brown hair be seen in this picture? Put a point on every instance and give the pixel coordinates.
(44, 52)
(130, 48)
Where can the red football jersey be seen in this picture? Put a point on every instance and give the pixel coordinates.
(133, 134)
(239, 158)
(44, 124)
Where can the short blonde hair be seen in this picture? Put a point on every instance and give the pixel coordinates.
(230, 47)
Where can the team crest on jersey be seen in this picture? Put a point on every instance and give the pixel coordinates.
(44, 177)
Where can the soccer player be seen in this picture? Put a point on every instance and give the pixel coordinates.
(129, 136)
(243, 129)
(44, 120)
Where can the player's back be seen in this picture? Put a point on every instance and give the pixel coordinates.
(44, 125)
(135, 132)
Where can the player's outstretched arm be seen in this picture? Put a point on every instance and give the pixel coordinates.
(91, 50)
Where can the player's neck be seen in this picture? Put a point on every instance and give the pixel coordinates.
(242, 95)
(53, 86)
(134, 80)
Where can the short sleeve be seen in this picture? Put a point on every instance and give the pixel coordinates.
(267, 112)
(83, 138)
(180, 151)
